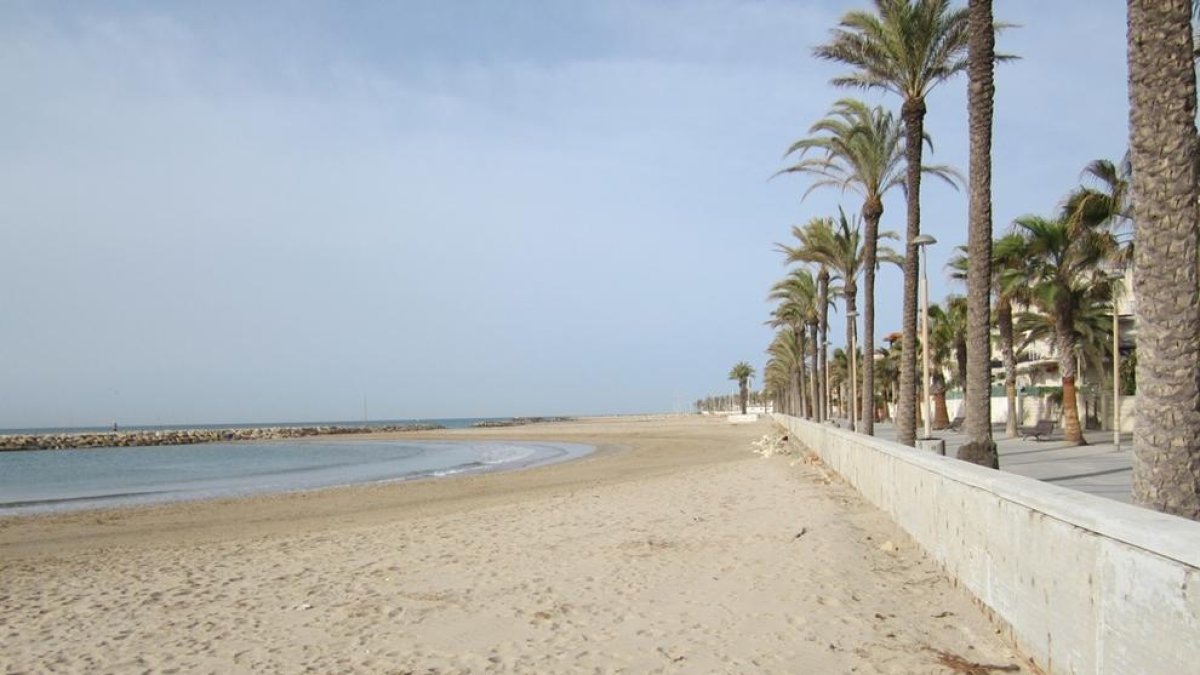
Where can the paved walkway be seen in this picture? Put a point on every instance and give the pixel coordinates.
(1097, 468)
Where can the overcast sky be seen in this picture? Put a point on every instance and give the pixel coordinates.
(236, 212)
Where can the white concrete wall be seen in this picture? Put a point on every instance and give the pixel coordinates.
(1084, 584)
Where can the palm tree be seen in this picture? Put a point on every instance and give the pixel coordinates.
(1109, 203)
(977, 390)
(1062, 266)
(1163, 147)
(839, 378)
(947, 347)
(1091, 324)
(823, 296)
(797, 310)
(838, 247)
(742, 372)
(859, 148)
(780, 375)
(888, 369)
(1008, 285)
(940, 343)
(906, 47)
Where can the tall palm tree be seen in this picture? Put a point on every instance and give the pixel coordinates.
(742, 372)
(860, 148)
(1063, 265)
(784, 371)
(797, 310)
(823, 299)
(1163, 147)
(906, 47)
(977, 390)
(839, 248)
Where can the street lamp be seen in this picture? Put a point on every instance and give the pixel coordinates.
(853, 316)
(924, 241)
(1116, 275)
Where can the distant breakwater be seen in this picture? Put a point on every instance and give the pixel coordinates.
(517, 421)
(124, 439)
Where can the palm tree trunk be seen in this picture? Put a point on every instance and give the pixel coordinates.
(797, 392)
(743, 394)
(913, 113)
(941, 416)
(815, 380)
(823, 370)
(852, 375)
(1164, 144)
(872, 211)
(1067, 366)
(977, 389)
(1008, 353)
(798, 372)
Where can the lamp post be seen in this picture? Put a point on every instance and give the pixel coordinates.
(924, 241)
(1116, 275)
(853, 316)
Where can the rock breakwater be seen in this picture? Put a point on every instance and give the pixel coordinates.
(518, 421)
(124, 439)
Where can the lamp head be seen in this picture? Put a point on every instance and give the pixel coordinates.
(923, 240)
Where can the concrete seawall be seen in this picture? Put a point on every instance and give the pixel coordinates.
(1084, 584)
(121, 439)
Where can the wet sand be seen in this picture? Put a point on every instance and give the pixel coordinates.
(671, 549)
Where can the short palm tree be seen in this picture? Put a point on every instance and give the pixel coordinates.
(1166, 272)
(1108, 203)
(887, 366)
(1091, 325)
(742, 372)
(860, 148)
(941, 344)
(1063, 264)
(906, 47)
(1009, 259)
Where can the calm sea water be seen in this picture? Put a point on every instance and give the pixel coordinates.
(62, 480)
(448, 422)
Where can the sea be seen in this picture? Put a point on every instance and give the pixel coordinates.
(447, 422)
(48, 481)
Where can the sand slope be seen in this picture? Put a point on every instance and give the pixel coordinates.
(679, 554)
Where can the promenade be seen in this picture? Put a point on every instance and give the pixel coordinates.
(1097, 468)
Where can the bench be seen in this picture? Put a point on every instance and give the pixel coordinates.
(1037, 431)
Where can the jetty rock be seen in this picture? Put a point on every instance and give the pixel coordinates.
(125, 439)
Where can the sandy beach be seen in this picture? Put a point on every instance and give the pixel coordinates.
(673, 548)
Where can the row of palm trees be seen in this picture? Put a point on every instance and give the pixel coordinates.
(1054, 264)
(1058, 267)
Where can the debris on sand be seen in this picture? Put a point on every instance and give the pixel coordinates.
(771, 445)
(958, 664)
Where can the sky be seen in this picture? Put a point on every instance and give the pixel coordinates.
(243, 212)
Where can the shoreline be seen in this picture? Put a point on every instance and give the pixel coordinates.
(672, 548)
(304, 510)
